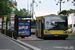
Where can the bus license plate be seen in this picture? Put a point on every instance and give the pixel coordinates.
(55, 35)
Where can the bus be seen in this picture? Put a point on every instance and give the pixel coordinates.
(52, 26)
(32, 26)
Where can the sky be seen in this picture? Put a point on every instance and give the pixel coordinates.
(46, 7)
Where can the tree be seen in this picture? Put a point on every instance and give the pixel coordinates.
(66, 12)
(21, 12)
(5, 8)
(72, 10)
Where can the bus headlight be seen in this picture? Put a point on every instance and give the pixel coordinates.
(45, 31)
(48, 32)
(65, 32)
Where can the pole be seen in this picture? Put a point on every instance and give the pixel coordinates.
(5, 31)
(5, 28)
(28, 7)
(32, 8)
(12, 33)
(60, 5)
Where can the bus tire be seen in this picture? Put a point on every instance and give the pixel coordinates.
(64, 38)
(22, 36)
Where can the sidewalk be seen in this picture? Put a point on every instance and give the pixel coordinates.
(23, 44)
(7, 44)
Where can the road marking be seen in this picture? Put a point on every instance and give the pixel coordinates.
(15, 42)
(31, 46)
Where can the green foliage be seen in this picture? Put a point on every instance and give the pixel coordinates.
(5, 8)
(16, 4)
(69, 33)
(72, 10)
(21, 12)
(8, 16)
(66, 12)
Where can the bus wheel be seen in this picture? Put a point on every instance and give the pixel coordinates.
(22, 36)
(64, 38)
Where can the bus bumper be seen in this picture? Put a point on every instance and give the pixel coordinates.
(33, 32)
(62, 36)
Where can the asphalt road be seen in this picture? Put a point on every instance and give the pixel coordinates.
(6, 44)
(53, 44)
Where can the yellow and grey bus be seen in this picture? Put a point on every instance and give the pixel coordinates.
(51, 26)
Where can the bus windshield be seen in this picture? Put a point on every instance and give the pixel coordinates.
(32, 23)
(56, 23)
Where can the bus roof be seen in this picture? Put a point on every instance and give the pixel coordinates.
(42, 17)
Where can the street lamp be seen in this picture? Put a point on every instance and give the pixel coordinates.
(61, 1)
(31, 8)
(33, 1)
(39, 1)
(73, 2)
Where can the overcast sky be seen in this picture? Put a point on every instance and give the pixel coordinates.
(46, 7)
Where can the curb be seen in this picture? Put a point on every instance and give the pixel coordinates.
(16, 41)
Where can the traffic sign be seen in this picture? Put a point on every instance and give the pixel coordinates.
(12, 19)
(0, 19)
(12, 12)
(12, 15)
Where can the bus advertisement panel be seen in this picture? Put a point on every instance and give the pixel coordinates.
(23, 28)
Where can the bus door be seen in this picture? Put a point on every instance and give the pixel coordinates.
(39, 28)
(42, 33)
(36, 32)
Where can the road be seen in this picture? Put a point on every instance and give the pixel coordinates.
(53, 44)
(7, 44)
(37, 44)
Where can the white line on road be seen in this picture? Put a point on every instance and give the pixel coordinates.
(31, 46)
